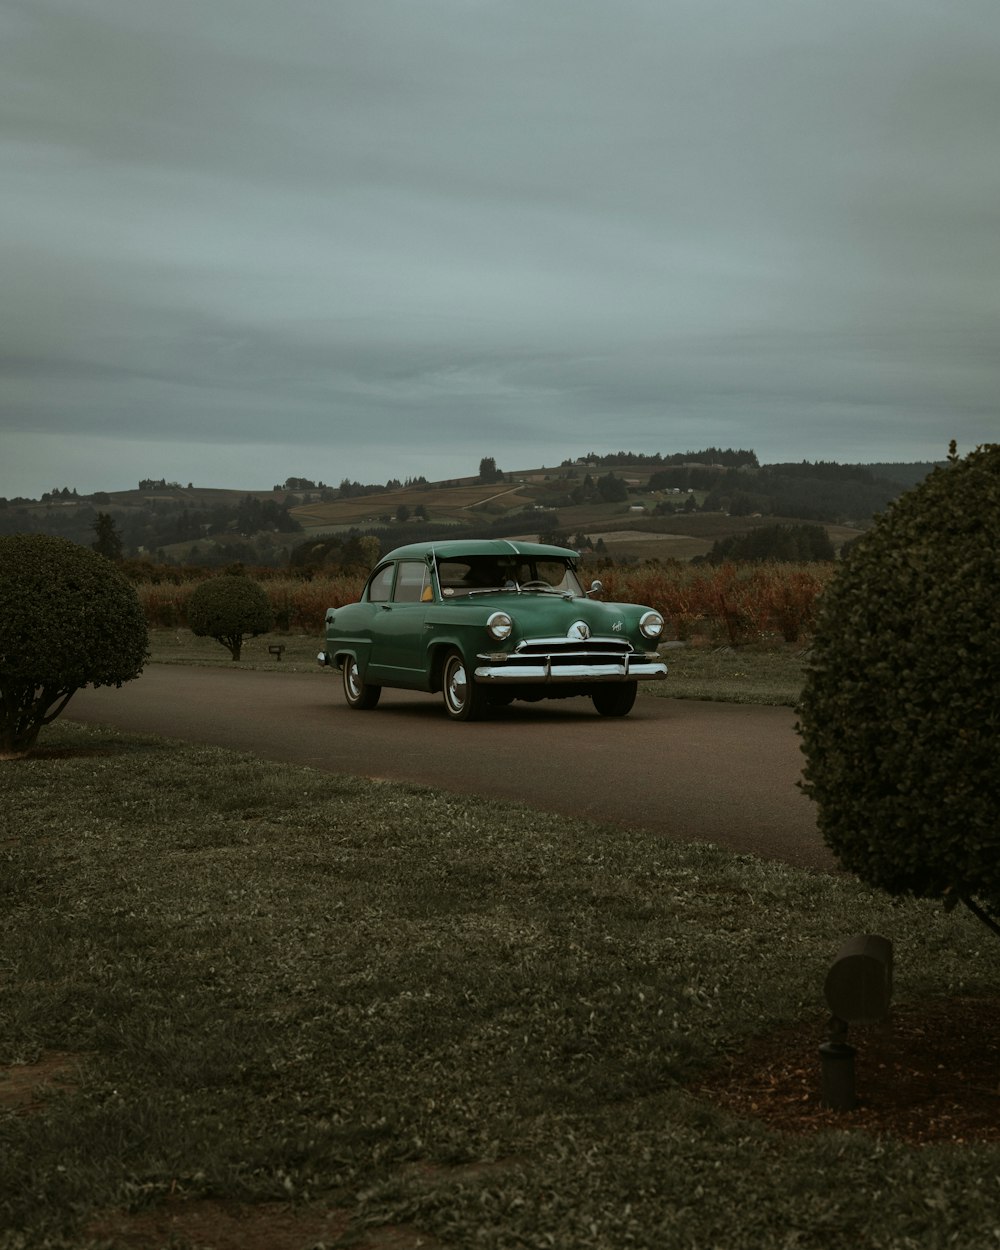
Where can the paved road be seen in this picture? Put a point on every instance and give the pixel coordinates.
(695, 771)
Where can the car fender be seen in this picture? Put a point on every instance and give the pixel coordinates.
(358, 649)
(437, 648)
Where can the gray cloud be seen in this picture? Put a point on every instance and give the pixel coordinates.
(373, 234)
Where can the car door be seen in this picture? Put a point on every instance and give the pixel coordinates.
(399, 647)
(356, 627)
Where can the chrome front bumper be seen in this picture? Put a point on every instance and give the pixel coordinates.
(555, 669)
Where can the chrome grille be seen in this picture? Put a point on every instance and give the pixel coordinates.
(571, 651)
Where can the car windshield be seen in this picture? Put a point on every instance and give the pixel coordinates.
(469, 575)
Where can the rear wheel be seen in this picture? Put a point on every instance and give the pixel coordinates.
(463, 699)
(357, 692)
(615, 700)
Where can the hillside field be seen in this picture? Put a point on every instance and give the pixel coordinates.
(627, 532)
(442, 503)
(187, 524)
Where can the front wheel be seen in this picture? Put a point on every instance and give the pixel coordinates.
(357, 692)
(615, 700)
(463, 699)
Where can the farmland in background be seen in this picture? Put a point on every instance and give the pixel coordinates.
(656, 511)
(463, 504)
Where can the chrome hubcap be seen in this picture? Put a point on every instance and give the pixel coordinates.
(353, 681)
(457, 686)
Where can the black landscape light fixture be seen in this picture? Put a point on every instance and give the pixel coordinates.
(858, 990)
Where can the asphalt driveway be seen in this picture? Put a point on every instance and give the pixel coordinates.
(690, 770)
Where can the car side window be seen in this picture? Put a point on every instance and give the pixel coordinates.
(411, 581)
(380, 586)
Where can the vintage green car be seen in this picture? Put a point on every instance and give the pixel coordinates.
(486, 622)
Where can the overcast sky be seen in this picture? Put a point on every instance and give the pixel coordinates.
(251, 239)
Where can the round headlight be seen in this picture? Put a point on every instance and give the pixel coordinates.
(499, 626)
(651, 625)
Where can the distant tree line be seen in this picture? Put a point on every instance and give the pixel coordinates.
(813, 492)
(348, 489)
(60, 494)
(774, 543)
(354, 490)
(729, 458)
(300, 484)
(906, 474)
(159, 523)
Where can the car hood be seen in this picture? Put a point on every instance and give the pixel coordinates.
(540, 615)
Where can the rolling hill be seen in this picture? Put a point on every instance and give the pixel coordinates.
(642, 509)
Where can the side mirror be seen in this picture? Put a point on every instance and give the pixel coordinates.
(596, 588)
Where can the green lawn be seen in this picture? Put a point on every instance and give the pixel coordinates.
(765, 673)
(180, 646)
(481, 1022)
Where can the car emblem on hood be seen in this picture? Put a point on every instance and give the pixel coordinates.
(579, 629)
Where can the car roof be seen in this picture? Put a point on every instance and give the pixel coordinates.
(455, 548)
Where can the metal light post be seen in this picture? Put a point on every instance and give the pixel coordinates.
(858, 989)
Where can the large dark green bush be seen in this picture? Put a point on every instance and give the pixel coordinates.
(68, 618)
(228, 609)
(900, 714)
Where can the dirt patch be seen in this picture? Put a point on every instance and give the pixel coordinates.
(931, 1073)
(24, 1086)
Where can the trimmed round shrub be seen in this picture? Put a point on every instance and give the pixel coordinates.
(900, 713)
(228, 609)
(68, 619)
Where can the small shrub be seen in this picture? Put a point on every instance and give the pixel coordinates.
(229, 608)
(68, 618)
(901, 707)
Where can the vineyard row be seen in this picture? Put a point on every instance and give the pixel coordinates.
(730, 603)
